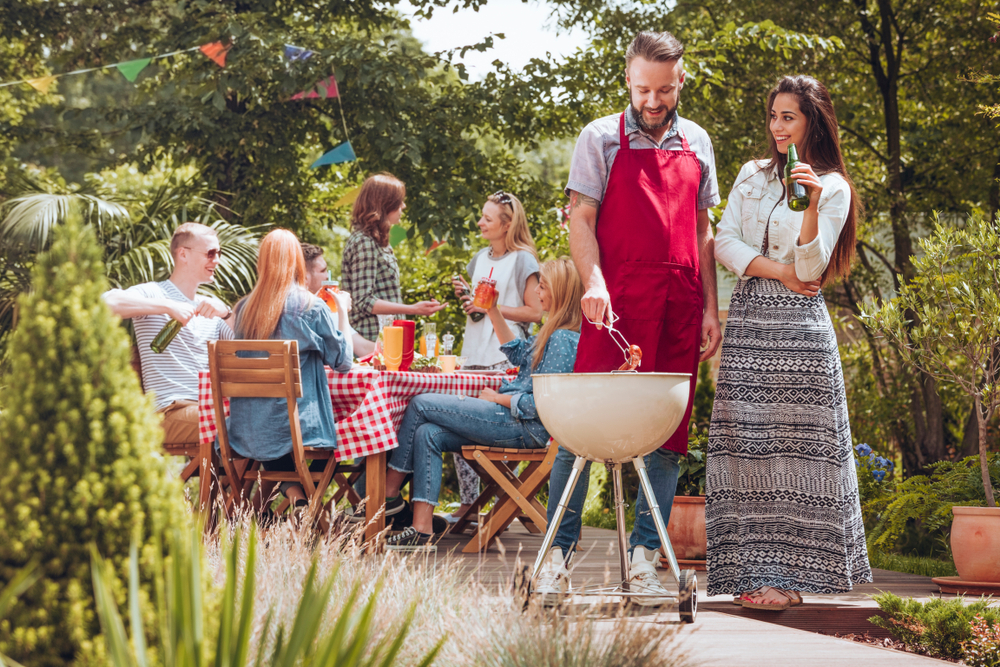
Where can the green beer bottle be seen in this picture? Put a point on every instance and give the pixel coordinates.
(798, 194)
(166, 335)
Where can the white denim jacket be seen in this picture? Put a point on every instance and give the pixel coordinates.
(756, 201)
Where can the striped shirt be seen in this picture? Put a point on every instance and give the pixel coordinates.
(369, 272)
(173, 374)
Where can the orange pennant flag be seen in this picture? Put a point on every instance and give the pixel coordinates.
(216, 51)
(41, 84)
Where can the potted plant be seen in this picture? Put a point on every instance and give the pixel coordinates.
(946, 323)
(686, 527)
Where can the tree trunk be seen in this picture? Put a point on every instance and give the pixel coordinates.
(983, 451)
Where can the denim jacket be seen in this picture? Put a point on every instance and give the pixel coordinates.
(559, 357)
(258, 427)
(757, 205)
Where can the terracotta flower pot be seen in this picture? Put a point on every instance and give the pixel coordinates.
(686, 528)
(975, 543)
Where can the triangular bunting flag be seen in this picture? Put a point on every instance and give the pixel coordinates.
(294, 53)
(348, 198)
(130, 70)
(434, 246)
(325, 89)
(342, 153)
(41, 84)
(216, 52)
(396, 235)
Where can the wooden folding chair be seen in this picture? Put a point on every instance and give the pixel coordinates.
(515, 493)
(276, 376)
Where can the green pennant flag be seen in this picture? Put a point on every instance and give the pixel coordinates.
(130, 70)
(397, 234)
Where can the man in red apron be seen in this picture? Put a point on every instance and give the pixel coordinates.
(640, 187)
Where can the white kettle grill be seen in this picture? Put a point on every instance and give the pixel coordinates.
(614, 418)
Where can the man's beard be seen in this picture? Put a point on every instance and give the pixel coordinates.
(667, 117)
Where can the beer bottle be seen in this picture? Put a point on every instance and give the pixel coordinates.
(476, 317)
(798, 194)
(167, 334)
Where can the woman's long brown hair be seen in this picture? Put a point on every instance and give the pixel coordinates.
(821, 150)
(380, 195)
(280, 267)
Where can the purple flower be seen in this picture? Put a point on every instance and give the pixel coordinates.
(863, 449)
(879, 475)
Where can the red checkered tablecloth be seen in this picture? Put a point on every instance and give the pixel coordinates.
(367, 404)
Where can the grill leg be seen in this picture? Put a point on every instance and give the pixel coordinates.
(654, 509)
(550, 532)
(616, 476)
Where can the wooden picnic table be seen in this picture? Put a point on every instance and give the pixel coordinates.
(368, 406)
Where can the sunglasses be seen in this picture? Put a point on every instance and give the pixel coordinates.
(213, 254)
(502, 197)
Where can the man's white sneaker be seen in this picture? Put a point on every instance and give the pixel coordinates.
(552, 583)
(642, 579)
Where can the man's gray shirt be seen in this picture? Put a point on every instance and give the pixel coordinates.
(599, 142)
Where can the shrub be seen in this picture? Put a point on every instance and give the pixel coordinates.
(983, 649)
(81, 450)
(939, 628)
(927, 500)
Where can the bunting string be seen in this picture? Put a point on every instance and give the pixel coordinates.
(216, 52)
(41, 84)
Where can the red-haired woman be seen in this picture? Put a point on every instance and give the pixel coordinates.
(281, 308)
(782, 510)
(369, 271)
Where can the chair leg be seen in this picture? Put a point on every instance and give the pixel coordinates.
(517, 497)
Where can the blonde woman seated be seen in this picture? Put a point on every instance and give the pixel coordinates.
(281, 308)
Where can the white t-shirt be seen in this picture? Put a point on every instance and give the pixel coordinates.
(480, 346)
(172, 375)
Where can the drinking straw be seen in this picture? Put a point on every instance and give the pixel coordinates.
(490, 277)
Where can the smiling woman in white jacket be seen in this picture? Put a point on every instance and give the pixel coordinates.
(782, 512)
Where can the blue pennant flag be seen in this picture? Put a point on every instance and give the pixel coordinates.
(342, 153)
(294, 53)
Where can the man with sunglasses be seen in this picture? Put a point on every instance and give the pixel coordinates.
(172, 376)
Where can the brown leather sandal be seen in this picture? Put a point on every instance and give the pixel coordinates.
(769, 606)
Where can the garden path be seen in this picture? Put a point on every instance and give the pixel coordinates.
(724, 633)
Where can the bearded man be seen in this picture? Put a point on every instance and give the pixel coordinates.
(640, 186)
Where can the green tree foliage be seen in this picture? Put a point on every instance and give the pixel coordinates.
(405, 111)
(946, 320)
(899, 73)
(81, 450)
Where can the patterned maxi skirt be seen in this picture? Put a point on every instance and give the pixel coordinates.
(782, 507)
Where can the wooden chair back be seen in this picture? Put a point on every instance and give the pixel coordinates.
(271, 372)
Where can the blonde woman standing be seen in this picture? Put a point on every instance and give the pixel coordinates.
(513, 262)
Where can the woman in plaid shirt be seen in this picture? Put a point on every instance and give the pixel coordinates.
(369, 271)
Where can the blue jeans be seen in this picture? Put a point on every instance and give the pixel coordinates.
(661, 466)
(437, 423)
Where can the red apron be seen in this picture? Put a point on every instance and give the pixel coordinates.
(647, 235)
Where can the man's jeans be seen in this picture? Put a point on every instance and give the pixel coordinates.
(662, 468)
(437, 423)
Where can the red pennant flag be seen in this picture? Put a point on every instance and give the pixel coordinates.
(434, 246)
(216, 52)
(326, 89)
